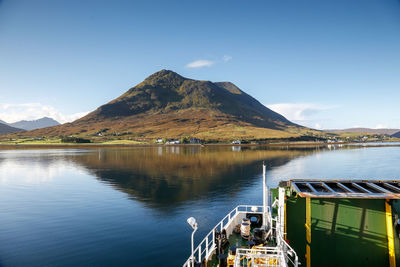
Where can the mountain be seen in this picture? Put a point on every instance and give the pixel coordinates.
(166, 92)
(366, 130)
(168, 105)
(35, 124)
(4, 129)
(396, 134)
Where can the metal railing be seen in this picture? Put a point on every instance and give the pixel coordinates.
(207, 246)
(260, 257)
(290, 254)
(282, 256)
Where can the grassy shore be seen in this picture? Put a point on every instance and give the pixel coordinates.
(57, 143)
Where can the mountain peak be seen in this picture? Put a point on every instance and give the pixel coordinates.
(165, 78)
(164, 72)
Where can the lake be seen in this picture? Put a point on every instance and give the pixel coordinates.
(128, 206)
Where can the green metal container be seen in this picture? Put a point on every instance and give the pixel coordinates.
(342, 230)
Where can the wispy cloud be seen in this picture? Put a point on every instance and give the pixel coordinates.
(32, 111)
(317, 126)
(298, 111)
(207, 63)
(200, 63)
(226, 58)
(381, 126)
(302, 113)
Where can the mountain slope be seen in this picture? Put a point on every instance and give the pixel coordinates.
(4, 129)
(397, 134)
(35, 124)
(169, 105)
(167, 91)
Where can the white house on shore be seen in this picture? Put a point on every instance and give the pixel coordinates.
(173, 142)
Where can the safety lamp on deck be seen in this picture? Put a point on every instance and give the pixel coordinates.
(192, 222)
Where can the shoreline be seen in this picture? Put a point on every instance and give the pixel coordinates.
(288, 144)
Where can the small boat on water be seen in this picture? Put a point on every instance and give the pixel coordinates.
(309, 223)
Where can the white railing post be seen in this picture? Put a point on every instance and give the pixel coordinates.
(213, 237)
(206, 247)
(199, 254)
(192, 257)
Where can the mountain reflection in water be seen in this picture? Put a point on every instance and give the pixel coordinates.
(168, 176)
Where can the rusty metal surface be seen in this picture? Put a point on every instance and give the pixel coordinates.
(372, 189)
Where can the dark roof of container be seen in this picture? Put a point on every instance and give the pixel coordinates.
(384, 189)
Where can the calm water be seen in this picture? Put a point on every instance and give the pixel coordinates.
(128, 207)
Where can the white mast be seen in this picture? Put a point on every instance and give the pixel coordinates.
(265, 195)
(280, 231)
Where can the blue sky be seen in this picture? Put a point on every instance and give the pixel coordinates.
(325, 64)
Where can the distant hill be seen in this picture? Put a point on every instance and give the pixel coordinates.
(397, 135)
(35, 124)
(4, 129)
(169, 105)
(366, 130)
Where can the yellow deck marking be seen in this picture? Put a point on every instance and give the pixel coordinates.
(389, 230)
(308, 231)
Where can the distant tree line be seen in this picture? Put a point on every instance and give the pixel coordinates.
(71, 139)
